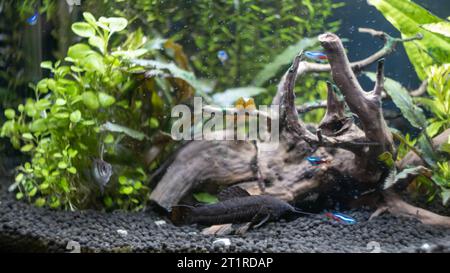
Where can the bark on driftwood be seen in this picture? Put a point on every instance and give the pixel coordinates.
(353, 171)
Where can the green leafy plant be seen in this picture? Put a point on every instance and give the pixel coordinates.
(206, 27)
(96, 107)
(205, 197)
(439, 105)
(411, 19)
(430, 57)
(438, 102)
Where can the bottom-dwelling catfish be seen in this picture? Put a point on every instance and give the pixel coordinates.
(235, 206)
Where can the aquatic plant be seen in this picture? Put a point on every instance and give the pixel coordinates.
(438, 103)
(87, 124)
(430, 57)
(411, 19)
(206, 27)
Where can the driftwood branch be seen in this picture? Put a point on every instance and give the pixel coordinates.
(395, 205)
(366, 105)
(291, 123)
(350, 154)
(358, 66)
(335, 122)
(307, 107)
(420, 90)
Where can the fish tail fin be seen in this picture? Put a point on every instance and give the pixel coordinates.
(181, 215)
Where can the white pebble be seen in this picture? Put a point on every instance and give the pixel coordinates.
(160, 223)
(122, 232)
(222, 241)
(425, 247)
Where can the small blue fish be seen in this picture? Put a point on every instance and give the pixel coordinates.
(223, 56)
(342, 218)
(318, 56)
(33, 19)
(316, 161)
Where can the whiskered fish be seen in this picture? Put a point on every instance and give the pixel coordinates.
(236, 206)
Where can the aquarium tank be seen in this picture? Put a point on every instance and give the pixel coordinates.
(225, 126)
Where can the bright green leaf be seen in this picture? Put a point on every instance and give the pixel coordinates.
(109, 139)
(60, 102)
(408, 18)
(97, 42)
(62, 165)
(42, 86)
(403, 101)
(205, 197)
(105, 99)
(44, 186)
(442, 28)
(10, 113)
(54, 203)
(94, 63)
(32, 192)
(79, 51)
(434, 128)
(75, 116)
(123, 180)
(27, 148)
(64, 185)
(72, 153)
(88, 122)
(62, 115)
(38, 125)
(27, 136)
(126, 190)
(40, 202)
(89, 18)
(47, 65)
(116, 24)
(19, 177)
(90, 100)
(83, 29)
(19, 195)
(137, 185)
(153, 122)
(112, 127)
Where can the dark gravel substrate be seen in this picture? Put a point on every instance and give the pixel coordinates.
(26, 228)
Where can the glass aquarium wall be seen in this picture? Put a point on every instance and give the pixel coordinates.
(223, 122)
